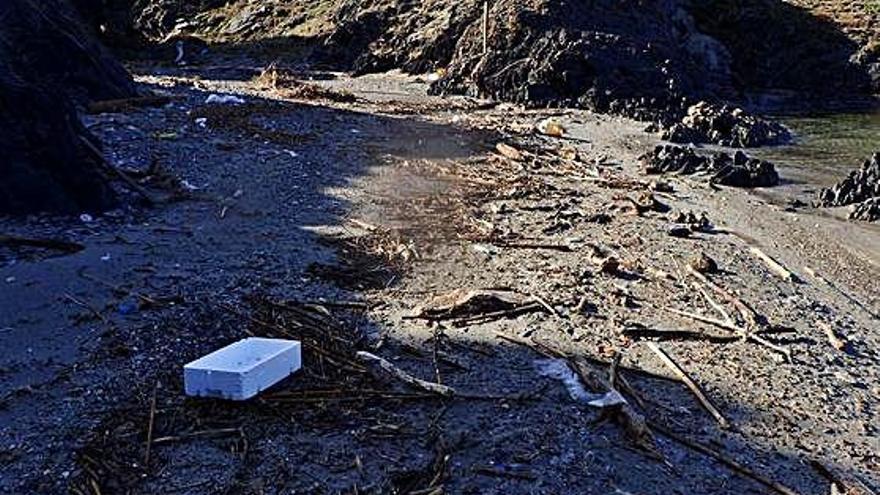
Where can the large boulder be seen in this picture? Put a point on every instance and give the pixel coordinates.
(606, 54)
(790, 45)
(737, 170)
(46, 40)
(46, 166)
(707, 123)
(860, 189)
(868, 210)
(48, 63)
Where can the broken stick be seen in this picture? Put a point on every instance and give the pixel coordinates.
(848, 485)
(565, 248)
(123, 104)
(551, 352)
(150, 422)
(55, 244)
(842, 292)
(633, 423)
(118, 173)
(723, 459)
(691, 384)
(774, 265)
(749, 315)
(833, 339)
(383, 369)
(742, 332)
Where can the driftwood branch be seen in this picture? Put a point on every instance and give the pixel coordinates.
(723, 459)
(749, 315)
(691, 384)
(742, 332)
(54, 244)
(774, 265)
(844, 485)
(631, 421)
(115, 171)
(384, 369)
(150, 424)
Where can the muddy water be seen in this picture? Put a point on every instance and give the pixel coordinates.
(827, 147)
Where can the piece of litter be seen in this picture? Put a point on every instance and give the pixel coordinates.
(559, 370)
(106, 257)
(241, 370)
(293, 154)
(610, 399)
(216, 99)
(86, 218)
(202, 122)
(484, 248)
(551, 127)
(188, 185)
(9, 280)
(436, 75)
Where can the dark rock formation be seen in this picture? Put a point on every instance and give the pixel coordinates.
(868, 210)
(45, 166)
(621, 56)
(675, 159)
(738, 170)
(779, 45)
(858, 186)
(861, 188)
(647, 60)
(132, 23)
(726, 126)
(46, 41)
(48, 62)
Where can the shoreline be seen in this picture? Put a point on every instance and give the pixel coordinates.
(377, 161)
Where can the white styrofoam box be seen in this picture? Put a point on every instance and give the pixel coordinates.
(241, 370)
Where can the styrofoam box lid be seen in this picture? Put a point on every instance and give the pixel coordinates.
(242, 355)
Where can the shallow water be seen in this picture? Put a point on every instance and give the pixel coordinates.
(826, 147)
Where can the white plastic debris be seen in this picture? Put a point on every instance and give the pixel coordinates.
(558, 369)
(551, 127)
(189, 186)
(481, 248)
(609, 399)
(202, 122)
(86, 218)
(180, 54)
(242, 370)
(215, 99)
(436, 75)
